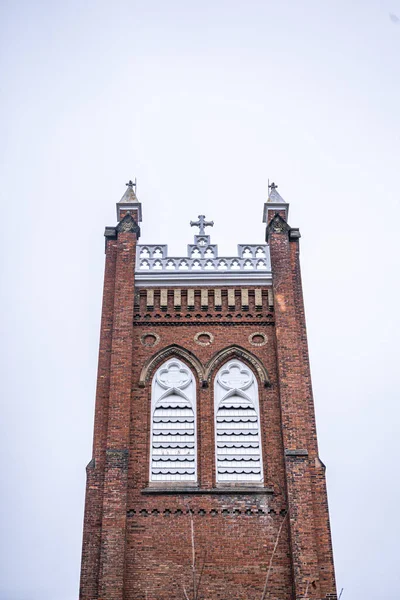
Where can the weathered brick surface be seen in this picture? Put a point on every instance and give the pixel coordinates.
(322, 533)
(140, 534)
(112, 555)
(95, 470)
(235, 547)
(307, 500)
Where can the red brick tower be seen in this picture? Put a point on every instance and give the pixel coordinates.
(205, 481)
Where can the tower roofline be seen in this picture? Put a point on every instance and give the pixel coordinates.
(129, 201)
(275, 202)
(279, 206)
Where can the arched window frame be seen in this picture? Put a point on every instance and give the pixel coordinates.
(161, 390)
(248, 391)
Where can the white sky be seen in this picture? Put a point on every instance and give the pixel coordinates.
(202, 102)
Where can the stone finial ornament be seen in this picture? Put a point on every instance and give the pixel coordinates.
(130, 193)
(202, 224)
(273, 194)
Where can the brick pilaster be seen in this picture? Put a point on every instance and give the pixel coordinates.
(309, 536)
(317, 468)
(117, 444)
(95, 469)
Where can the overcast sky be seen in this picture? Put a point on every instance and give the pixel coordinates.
(202, 102)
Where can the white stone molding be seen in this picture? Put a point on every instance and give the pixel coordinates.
(173, 424)
(202, 263)
(146, 279)
(251, 257)
(237, 425)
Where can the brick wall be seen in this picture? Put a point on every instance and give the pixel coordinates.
(137, 537)
(237, 531)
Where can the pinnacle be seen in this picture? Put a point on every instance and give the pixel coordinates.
(274, 196)
(130, 195)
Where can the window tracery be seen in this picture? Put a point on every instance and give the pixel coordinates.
(173, 423)
(237, 424)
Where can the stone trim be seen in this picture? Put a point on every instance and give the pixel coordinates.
(110, 233)
(258, 344)
(202, 257)
(170, 351)
(244, 293)
(217, 299)
(301, 452)
(270, 298)
(231, 490)
(190, 299)
(231, 299)
(177, 299)
(210, 279)
(147, 334)
(198, 335)
(163, 299)
(294, 234)
(150, 299)
(204, 372)
(128, 225)
(258, 299)
(204, 299)
(236, 352)
(184, 323)
(276, 225)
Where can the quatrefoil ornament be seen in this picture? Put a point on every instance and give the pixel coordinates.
(173, 375)
(235, 377)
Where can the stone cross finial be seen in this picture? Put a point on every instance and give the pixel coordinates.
(131, 184)
(273, 186)
(201, 224)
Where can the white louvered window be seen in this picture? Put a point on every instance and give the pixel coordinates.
(173, 423)
(237, 426)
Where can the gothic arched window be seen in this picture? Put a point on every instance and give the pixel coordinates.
(173, 423)
(237, 424)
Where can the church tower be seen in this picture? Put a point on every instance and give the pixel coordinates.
(205, 480)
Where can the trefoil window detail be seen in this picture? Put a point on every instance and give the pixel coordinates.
(173, 423)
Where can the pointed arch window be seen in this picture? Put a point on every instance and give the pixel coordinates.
(237, 424)
(173, 424)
